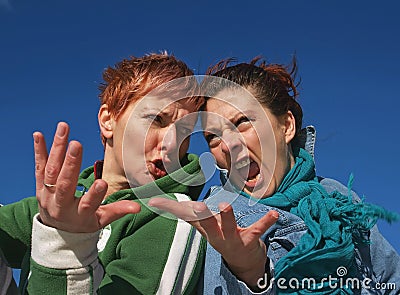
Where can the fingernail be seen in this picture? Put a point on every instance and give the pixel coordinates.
(61, 130)
(73, 150)
(275, 214)
(99, 187)
(198, 207)
(223, 207)
(35, 137)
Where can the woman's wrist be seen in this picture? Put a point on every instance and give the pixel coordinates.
(253, 274)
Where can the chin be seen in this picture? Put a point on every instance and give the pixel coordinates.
(135, 181)
(260, 192)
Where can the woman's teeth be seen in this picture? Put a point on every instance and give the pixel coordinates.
(254, 178)
(242, 164)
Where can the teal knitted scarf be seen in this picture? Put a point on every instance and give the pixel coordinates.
(332, 220)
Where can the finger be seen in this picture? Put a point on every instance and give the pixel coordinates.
(228, 221)
(39, 146)
(196, 213)
(260, 227)
(182, 210)
(90, 202)
(68, 177)
(111, 212)
(57, 154)
(209, 225)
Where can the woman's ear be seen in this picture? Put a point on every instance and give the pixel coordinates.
(290, 126)
(106, 122)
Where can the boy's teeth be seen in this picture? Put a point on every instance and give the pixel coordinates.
(242, 164)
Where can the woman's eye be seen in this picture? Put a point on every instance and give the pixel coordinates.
(242, 120)
(208, 137)
(212, 139)
(243, 123)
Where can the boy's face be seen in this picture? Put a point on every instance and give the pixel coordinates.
(151, 137)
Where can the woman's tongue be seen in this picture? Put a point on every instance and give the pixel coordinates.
(249, 172)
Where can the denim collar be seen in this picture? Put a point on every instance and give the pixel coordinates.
(306, 139)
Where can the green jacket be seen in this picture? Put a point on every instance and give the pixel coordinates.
(144, 253)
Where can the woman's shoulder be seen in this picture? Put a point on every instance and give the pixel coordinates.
(331, 185)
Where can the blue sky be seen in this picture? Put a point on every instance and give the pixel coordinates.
(52, 54)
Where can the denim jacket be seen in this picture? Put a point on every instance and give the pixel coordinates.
(377, 262)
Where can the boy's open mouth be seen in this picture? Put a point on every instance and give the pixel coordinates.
(157, 169)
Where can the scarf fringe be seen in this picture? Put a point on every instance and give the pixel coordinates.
(335, 224)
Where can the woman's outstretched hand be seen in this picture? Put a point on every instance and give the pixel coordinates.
(241, 248)
(56, 179)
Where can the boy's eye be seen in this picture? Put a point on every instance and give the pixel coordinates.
(184, 130)
(154, 119)
(158, 119)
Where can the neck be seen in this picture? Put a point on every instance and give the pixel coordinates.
(291, 160)
(113, 174)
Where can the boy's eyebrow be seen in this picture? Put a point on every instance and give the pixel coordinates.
(154, 109)
(146, 109)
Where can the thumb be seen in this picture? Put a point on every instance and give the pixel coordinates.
(111, 212)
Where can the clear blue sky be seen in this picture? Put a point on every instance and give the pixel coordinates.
(52, 54)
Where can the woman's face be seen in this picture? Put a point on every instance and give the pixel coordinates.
(249, 141)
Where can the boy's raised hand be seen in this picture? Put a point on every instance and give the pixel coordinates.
(56, 179)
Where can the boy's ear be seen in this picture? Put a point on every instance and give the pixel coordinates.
(105, 121)
(290, 126)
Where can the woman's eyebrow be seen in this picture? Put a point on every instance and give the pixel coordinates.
(212, 130)
(247, 113)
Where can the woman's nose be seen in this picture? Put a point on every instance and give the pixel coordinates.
(231, 142)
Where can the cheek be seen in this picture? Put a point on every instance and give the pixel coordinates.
(252, 143)
(219, 157)
(282, 163)
(133, 150)
(151, 142)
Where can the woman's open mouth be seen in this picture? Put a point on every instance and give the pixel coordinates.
(249, 171)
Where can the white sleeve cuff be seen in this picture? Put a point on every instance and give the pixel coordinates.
(58, 249)
(262, 282)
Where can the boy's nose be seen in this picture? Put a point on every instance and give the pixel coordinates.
(169, 139)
